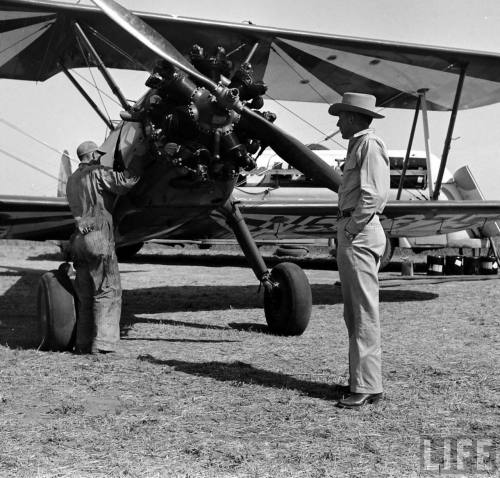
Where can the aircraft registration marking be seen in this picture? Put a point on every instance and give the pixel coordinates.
(409, 225)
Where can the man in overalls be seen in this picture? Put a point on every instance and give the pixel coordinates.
(91, 192)
(361, 242)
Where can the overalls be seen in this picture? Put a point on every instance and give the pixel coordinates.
(91, 192)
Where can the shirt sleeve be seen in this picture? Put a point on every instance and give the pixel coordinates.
(116, 182)
(374, 184)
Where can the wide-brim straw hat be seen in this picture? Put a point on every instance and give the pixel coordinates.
(356, 103)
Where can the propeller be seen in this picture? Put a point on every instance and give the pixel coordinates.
(290, 149)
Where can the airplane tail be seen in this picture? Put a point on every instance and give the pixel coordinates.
(469, 190)
(64, 174)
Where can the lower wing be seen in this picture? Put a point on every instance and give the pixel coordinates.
(399, 219)
(42, 218)
(35, 218)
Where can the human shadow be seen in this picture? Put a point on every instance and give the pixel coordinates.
(246, 373)
(18, 317)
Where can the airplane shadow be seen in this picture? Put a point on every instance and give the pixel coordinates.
(197, 298)
(232, 260)
(18, 314)
(222, 259)
(170, 299)
(18, 323)
(212, 260)
(243, 372)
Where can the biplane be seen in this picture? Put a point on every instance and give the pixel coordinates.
(201, 122)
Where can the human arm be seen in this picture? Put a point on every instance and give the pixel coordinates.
(374, 184)
(115, 181)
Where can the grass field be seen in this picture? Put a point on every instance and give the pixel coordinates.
(199, 389)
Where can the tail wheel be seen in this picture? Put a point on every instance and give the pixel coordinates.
(285, 250)
(288, 304)
(56, 311)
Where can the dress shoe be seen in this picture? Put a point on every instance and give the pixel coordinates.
(343, 391)
(357, 400)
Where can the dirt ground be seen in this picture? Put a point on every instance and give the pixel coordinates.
(200, 389)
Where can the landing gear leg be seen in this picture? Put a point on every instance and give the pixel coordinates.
(287, 296)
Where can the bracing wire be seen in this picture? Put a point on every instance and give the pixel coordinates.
(118, 49)
(82, 51)
(110, 97)
(27, 163)
(299, 75)
(19, 130)
(44, 27)
(302, 119)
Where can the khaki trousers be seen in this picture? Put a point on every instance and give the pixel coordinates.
(358, 263)
(98, 288)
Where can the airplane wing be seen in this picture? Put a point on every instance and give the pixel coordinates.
(37, 37)
(35, 218)
(43, 218)
(270, 220)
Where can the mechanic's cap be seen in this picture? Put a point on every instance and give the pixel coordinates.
(87, 147)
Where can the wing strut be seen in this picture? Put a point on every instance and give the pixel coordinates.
(90, 101)
(427, 141)
(102, 67)
(451, 126)
(410, 144)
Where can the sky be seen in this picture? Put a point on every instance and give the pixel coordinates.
(56, 117)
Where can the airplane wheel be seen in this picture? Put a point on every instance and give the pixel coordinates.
(288, 305)
(125, 253)
(56, 311)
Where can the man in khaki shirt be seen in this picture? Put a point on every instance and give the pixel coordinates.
(361, 242)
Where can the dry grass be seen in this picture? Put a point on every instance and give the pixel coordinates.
(199, 389)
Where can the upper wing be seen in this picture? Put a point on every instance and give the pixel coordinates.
(37, 36)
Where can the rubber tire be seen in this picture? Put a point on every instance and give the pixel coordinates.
(56, 312)
(386, 258)
(125, 253)
(288, 306)
(283, 251)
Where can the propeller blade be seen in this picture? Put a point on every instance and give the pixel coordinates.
(292, 150)
(149, 37)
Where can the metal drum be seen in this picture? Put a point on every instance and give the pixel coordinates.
(471, 265)
(435, 265)
(488, 265)
(454, 265)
